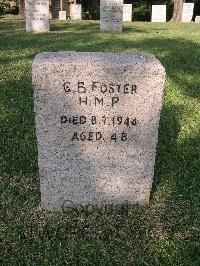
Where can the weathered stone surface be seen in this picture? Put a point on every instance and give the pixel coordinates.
(187, 14)
(127, 12)
(97, 118)
(158, 13)
(62, 15)
(75, 11)
(37, 15)
(111, 15)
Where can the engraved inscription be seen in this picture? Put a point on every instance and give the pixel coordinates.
(99, 94)
(97, 119)
(37, 15)
(111, 13)
(102, 89)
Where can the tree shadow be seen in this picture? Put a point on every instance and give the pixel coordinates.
(74, 26)
(164, 233)
(174, 59)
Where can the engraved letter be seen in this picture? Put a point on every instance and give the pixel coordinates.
(103, 88)
(75, 137)
(82, 136)
(134, 89)
(90, 138)
(111, 89)
(115, 100)
(126, 88)
(63, 119)
(82, 101)
(82, 119)
(100, 101)
(81, 88)
(98, 135)
(66, 87)
(94, 86)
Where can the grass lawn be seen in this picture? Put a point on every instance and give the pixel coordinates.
(165, 233)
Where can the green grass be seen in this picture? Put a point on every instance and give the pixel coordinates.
(165, 233)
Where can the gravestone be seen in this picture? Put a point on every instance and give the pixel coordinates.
(75, 11)
(111, 15)
(187, 13)
(127, 12)
(37, 15)
(62, 15)
(158, 13)
(197, 19)
(97, 118)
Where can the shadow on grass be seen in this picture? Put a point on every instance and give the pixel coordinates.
(71, 25)
(174, 53)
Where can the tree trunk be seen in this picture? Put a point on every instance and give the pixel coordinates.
(21, 8)
(177, 12)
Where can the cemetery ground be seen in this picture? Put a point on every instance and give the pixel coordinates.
(164, 233)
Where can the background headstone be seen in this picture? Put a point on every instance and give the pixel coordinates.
(127, 12)
(158, 13)
(62, 15)
(187, 14)
(197, 19)
(97, 118)
(37, 15)
(111, 15)
(75, 11)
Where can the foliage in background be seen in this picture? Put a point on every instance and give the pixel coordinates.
(3, 6)
(8, 6)
(142, 9)
(91, 8)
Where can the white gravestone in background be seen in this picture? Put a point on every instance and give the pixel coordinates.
(37, 15)
(62, 15)
(127, 12)
(111, 15)
(197, 19)
(158, 13)
(187, 12)
(75, 11)
(97, 119)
